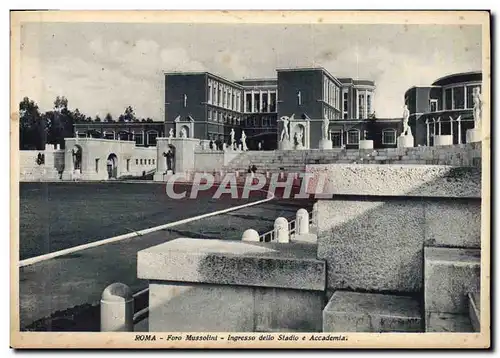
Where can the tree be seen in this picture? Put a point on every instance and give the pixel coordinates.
(32, 131)
(97, 118)
(108, 118)
(60, 103)
(149, 119)
(128, 115)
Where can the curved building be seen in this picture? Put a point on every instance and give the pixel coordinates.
(443, 108)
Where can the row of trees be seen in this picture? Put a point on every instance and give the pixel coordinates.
(37, 129)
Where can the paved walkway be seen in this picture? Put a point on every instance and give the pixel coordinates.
(79, 278)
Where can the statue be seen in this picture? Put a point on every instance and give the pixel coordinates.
(406, 127)
(244, 141)
(77, 157)
(298, 139)
(324, 127)
(476, 97)
(171, 133)
(284, 133)
(183, 133)
(232, 138)
(170, 158)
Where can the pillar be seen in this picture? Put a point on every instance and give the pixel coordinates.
(459, 128)
(428, 142)
(250, 235)
(302, 222)
(117, 309)
(281, 232)
(161, 161)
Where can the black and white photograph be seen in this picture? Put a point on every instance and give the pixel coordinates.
(250, 179)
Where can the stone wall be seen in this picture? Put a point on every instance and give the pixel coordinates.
(30, 170)
(208, 160)
(373, 221)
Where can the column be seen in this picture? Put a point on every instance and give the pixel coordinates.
(451, 128)
(439, 125)
(459, 124)
(244, 102)
(260, 101)
(253, 102)
(268, 105)
(365, 115)
(428, 132)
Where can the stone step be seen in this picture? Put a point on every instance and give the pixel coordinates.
(371, 312)
(447, 322)
(450, 274)
(475, 311)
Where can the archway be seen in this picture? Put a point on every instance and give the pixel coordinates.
(112, 164)
(184, 132)
(297, 136)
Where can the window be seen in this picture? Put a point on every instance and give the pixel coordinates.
(153, 162)
(209, 92)
(272, 107)
(256, 98)
(336, 138)
(345, 115)
(128, 165)
(97, 165)
(137, 162)
(248, 98)
(149, 161)
(141, 161)
(389, 136)
(209, 114)
(214, 94)
(448, 99)
(368, 105)
(152, 137)
(299, 98)
(458, 97)
(219, 97)
(265, 102)
(345, 105)
(361, 106)
(139, 139)
(434, 105)
(353, 136)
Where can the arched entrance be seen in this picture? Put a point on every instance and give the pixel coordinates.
(112, 165)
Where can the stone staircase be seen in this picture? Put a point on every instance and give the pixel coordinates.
(451, 300)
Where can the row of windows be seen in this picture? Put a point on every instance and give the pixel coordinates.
(459, 97)
(260, 101)
(144, 162)
(330, 113)
(353, 137)
(223, 117)
(259, 122)
(364, 104)
(331, 93)
(223, 95)
(137, 137)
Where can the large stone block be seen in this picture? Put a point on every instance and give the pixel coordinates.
(225, 262)
(371, 245)
(447, 322)
(394, 180)
(369, 312)
(450, 274)
(444, 223)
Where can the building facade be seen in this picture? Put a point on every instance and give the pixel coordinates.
(208, 107)
(443, 108)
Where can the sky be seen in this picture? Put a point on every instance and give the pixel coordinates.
(105, 67)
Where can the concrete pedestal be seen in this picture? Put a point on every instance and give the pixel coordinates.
(183, 159)
(473, 135)
(325, 144)
(405, 141)
(446, 139)
(366, 144)
(285, 145)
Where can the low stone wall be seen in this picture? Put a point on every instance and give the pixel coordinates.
(30, 170)
(208, 160)
(373, 221)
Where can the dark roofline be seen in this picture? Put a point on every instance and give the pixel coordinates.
(324, 70)
(456, 75)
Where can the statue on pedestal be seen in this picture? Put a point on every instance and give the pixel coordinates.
(232, 138)
(476, 97)
(285, 134)
(406, 127)
(169, 156)
(244, 141)
(325, 127)
(183, 133)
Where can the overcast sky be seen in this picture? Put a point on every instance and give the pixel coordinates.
(103, 68)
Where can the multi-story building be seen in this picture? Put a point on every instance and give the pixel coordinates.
(214, 106)
(208, 107)
(443, 108)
